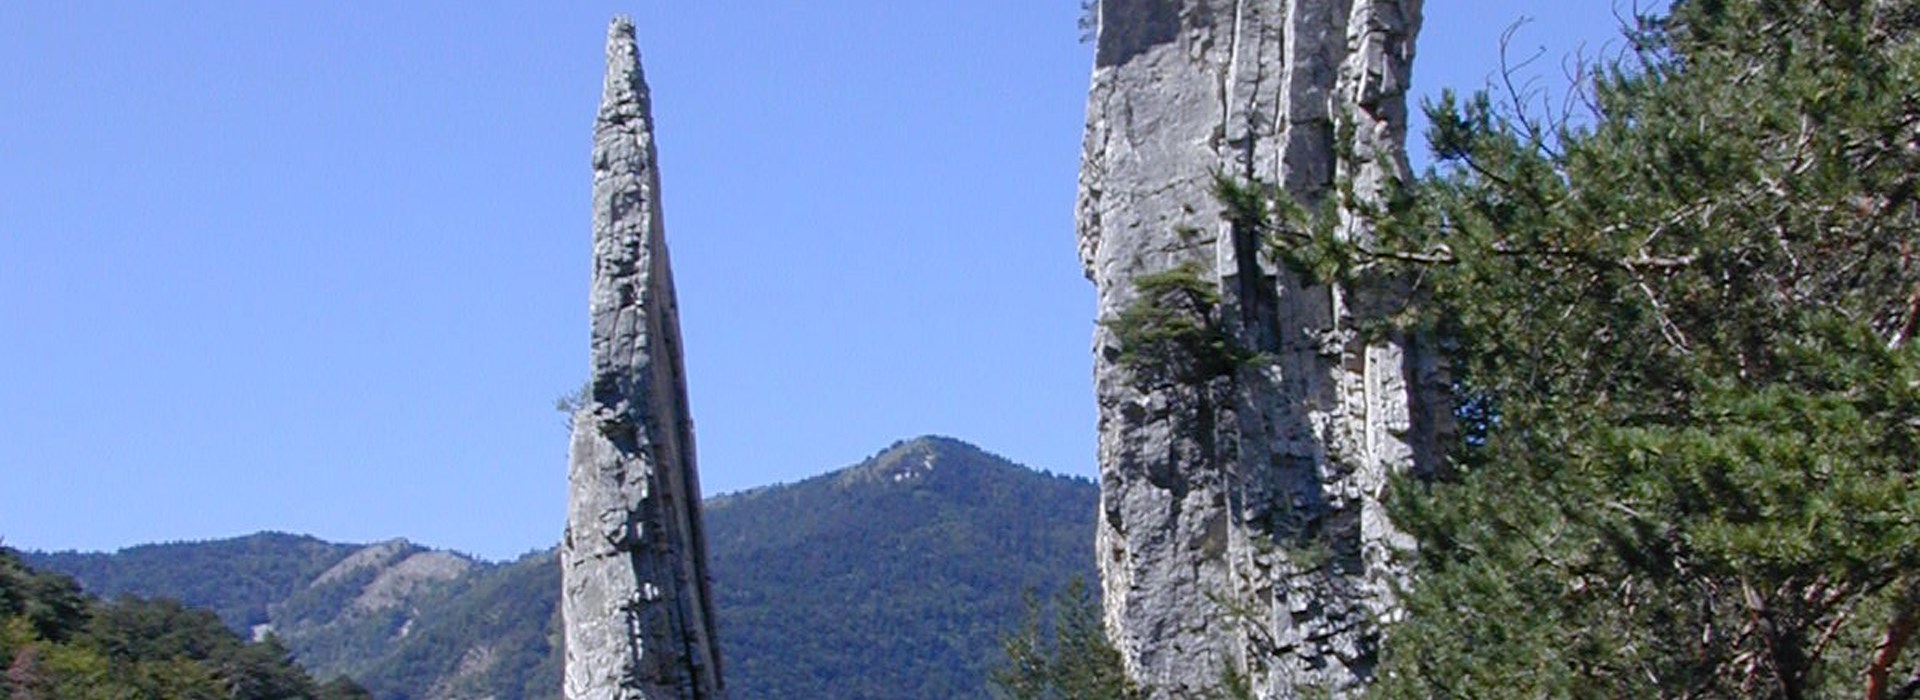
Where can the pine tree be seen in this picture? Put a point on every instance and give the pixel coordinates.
(57, 643)
(1682, 323)
(1066, 657)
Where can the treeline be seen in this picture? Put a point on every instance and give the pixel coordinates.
(890, 579)
(238, 579)
(57, 643)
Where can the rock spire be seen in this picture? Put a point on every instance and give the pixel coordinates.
(1242, 522)
(638, 613)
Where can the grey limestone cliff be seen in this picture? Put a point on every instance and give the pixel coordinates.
(1242, 521)
(635, 599)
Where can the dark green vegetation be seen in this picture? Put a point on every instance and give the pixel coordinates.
(494, 632)
(1682, 325)
(380, 614)
(894, 578)
(1062, 652)
(57, 643)
(237, 578)
(1173, 335)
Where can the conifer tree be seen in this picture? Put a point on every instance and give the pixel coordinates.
(1681, 319)
(1064, 657)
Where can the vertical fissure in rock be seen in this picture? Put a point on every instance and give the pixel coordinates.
(636, 603)
(1305, 97)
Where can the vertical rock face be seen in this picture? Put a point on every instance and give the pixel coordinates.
(638, 615)
(1242, 524)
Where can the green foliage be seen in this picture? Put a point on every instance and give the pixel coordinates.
(508, 615)
(1069, 659)
(1303, 238)
(885, 580)
(272, 579)
(1683, 328)
(343, 688)
(890, 579)
(236, 578)
(329, 633)
(1172, 334)
(51, 604)
(58, 644)
(1249, 205)
(571, 402)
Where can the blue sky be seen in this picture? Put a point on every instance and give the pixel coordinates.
(321, 267)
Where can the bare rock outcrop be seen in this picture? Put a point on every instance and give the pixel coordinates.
(1242, 522)
(404, 579)
(638, 613)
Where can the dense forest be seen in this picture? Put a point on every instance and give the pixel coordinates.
(57, 643)
(893, 578)
(1681, 310)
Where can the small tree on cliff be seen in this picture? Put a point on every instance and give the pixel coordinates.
(1172, 335)
(1684, 329)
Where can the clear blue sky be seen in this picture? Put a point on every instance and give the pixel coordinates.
(321, 266)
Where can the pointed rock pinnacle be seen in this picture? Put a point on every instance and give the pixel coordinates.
(635, 596)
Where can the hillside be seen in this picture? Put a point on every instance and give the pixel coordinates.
(236, 578)
(892, 578)
(56, 642)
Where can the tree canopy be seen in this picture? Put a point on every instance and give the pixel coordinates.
(56, 643)
(1680, 316)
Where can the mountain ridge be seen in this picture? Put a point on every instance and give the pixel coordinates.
(893, 577)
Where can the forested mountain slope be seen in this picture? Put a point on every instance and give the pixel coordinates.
(892, 578)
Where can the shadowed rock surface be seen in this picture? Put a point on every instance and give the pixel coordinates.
(1242, 519)
(639, 620)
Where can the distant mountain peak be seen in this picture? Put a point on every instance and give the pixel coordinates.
(914, 459)
(913, 466)
(849, 584)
